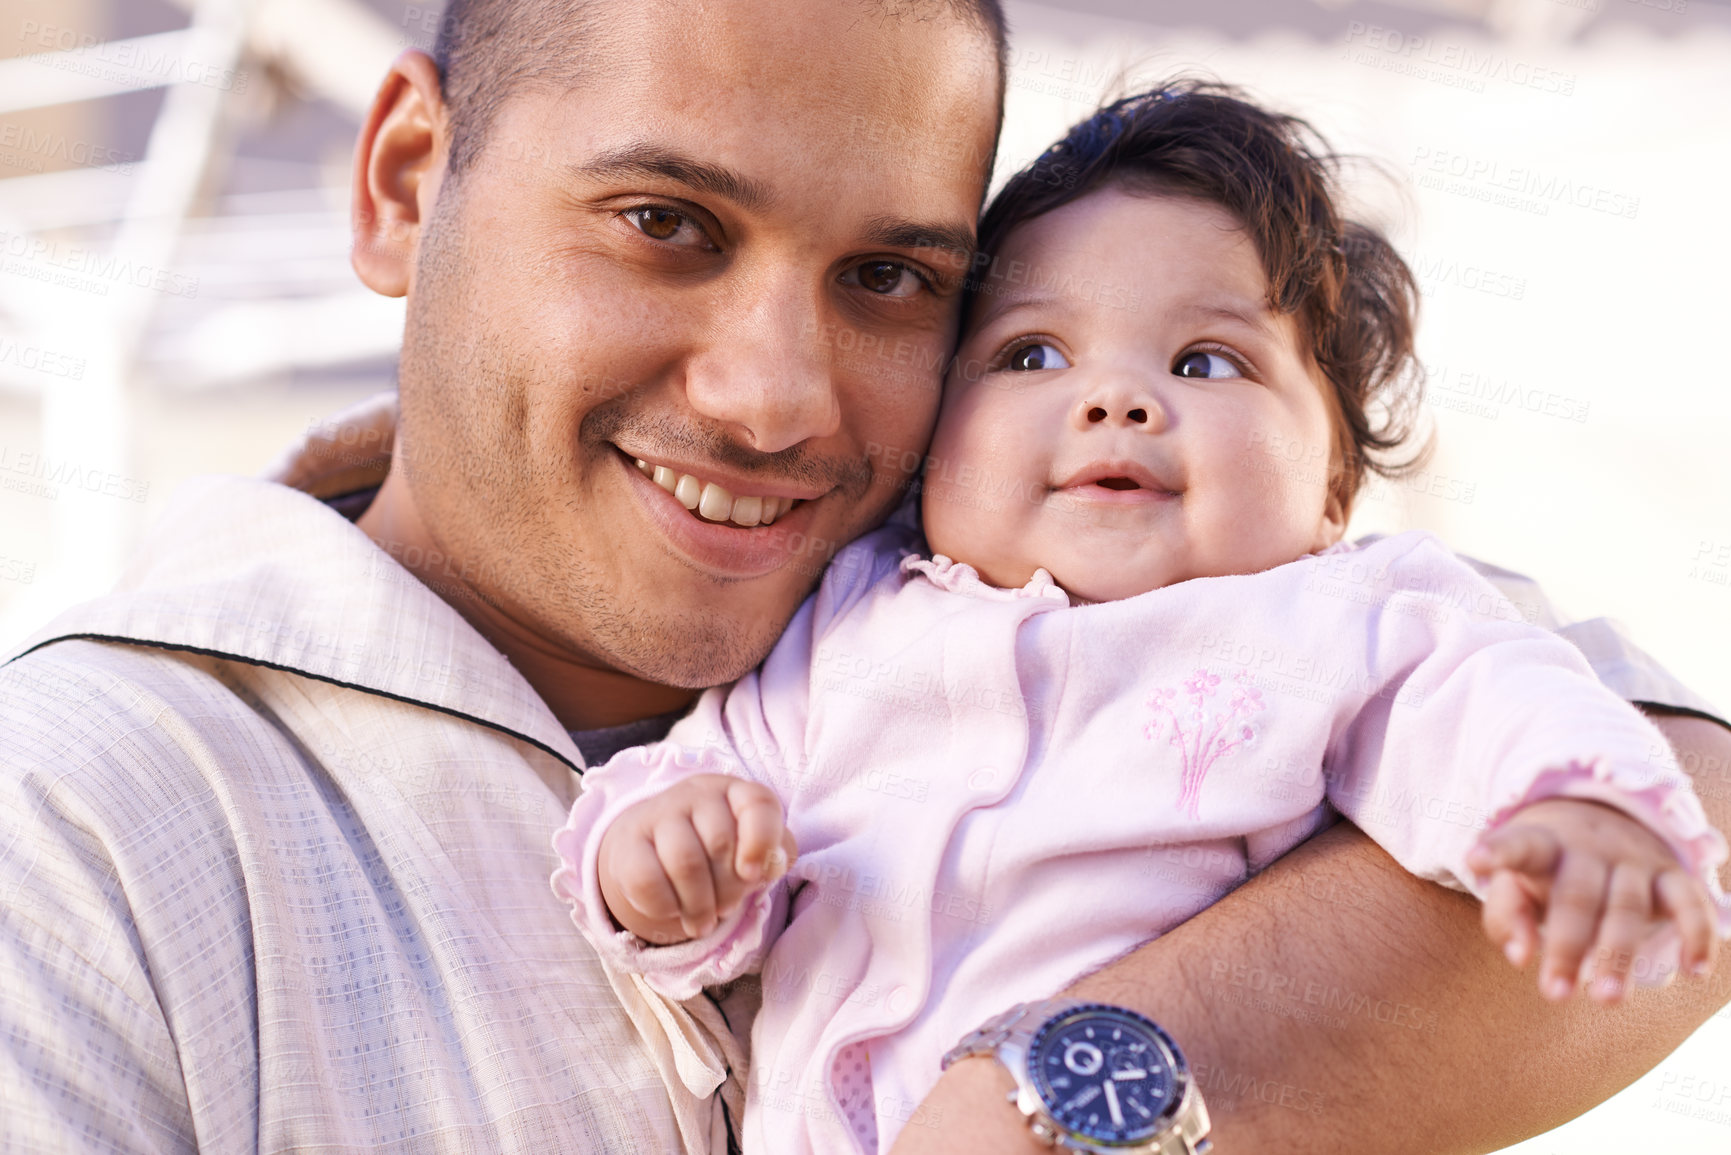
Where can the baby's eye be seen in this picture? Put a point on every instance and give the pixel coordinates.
(1201, 364)
(1031, 358)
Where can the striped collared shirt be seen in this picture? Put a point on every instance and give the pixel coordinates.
(274, 862)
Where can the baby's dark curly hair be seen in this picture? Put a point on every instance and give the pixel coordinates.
(1355, 300)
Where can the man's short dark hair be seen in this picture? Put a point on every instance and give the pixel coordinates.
(488, 50)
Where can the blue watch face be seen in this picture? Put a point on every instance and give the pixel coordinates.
(1104, 1074)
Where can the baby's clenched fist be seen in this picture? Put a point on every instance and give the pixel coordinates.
(673, 866)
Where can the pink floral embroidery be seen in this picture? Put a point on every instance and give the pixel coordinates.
(1200, 736)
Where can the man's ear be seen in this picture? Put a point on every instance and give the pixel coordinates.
(398, 162)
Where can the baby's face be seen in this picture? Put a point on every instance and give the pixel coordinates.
(1127, 411)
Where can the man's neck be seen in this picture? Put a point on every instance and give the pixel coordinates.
(582, 693)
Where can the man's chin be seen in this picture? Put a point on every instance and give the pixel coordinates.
(692, 649)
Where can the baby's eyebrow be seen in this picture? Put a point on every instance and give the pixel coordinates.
(1259, 317)
(1016, 303)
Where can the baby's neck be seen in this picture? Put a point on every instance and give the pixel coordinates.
(1019, 576)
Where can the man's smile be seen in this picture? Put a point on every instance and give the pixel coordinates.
(726, 547)
(712, 501)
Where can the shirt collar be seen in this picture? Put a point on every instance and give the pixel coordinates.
(259, 573)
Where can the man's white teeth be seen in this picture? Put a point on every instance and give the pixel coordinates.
(716, 503)
(713, 503)
(748, 511)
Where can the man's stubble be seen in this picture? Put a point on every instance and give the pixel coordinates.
(488, 497)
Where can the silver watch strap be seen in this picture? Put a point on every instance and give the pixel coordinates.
(985, 1039)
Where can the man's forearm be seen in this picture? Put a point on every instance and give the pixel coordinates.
(1336, 1003)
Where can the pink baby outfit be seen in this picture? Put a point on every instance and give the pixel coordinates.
(996, 791)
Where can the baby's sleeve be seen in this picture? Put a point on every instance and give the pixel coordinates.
(700, 743)
(1472, 714)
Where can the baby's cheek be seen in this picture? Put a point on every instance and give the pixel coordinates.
(962, 518)
(986, 473)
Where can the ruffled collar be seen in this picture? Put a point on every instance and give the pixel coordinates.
(958, 577)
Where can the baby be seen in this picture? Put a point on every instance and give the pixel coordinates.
(1135, 631)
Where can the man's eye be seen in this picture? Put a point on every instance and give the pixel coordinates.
(1205, 365)
(885, 278)
(1032, 358)
(666, 225)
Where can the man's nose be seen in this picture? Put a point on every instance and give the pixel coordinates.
(1119, 404)
(763, 370)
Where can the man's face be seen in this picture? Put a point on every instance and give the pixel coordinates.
(734, 257)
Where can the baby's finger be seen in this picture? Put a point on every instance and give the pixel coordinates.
(781, 859)
(758, 812)
(686, 861)
(1686, 901)
(1511, 917)
(642, 880)
(1530, 850)
(713, 819)
(1628, 912)
(1572, 921)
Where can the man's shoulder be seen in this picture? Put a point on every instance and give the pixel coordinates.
(1517, 589)
(110, 722)
(113, 825)
(106, 679)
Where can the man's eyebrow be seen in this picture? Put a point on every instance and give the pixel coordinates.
(895, 233)
(643, 159)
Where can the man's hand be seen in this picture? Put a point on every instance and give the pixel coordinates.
(673, 866)
(1594, 885)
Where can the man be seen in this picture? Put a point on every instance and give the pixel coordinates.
(274, 821)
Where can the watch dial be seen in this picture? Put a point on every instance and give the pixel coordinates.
(1104, 1074)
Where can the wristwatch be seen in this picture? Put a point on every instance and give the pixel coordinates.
(1094, 1077)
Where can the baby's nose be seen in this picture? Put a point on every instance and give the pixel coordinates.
(1098, 413)
(1119, 407)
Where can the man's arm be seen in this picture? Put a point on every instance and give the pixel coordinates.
(1337, 1004)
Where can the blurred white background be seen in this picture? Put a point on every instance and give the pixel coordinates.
(175, 295)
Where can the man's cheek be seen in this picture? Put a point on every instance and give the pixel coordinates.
(894, 360)
(890, 420)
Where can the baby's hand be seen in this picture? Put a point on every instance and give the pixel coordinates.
(1599, 880)
(673, 866)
